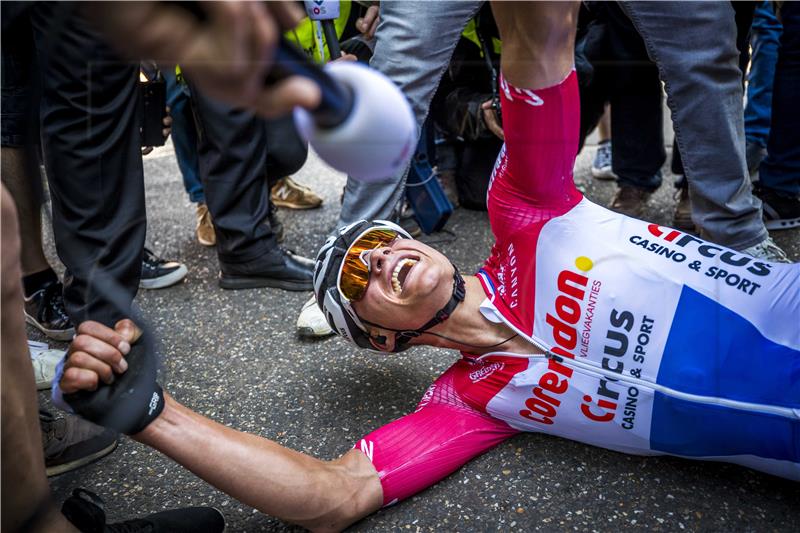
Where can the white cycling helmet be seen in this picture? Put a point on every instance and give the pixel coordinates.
(336, 306)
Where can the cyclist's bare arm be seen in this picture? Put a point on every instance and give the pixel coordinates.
(319, 495)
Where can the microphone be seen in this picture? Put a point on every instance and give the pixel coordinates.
(363, 125)
(326, 11)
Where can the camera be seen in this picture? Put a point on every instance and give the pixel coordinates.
(152, 107)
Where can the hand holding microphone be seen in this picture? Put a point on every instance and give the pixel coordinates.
(363, 125)
(227, 47)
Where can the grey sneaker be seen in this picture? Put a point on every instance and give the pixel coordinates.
(44, 363)
(71, 442)
(767, 249)
(601, 166)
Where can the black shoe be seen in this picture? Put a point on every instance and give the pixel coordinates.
(86, 511)
(275, 223)
(44, 309)
(158, 273)
(71, 442)
(780, 211)
(279, 268)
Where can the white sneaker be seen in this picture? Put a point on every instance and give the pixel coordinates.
(311, 322)
(767, 249)
(44, 363)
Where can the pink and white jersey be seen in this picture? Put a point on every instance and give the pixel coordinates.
(656, 342)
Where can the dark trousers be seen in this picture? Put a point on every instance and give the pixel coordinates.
(91, 145)
(623, 75)
(780, 170)
(626, 77)
(237, 153)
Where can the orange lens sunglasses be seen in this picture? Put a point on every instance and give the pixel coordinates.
(354, 272)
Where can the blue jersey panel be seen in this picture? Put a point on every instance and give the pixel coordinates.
(712, 351)
(692, 429)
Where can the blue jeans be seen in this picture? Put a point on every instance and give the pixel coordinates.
(780, 170)
(184, 136)
(764, 36)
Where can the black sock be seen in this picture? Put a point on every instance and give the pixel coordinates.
(33, 282)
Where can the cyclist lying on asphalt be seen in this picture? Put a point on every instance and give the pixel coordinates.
(582, 323)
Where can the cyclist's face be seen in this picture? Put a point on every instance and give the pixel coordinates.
(408, 283)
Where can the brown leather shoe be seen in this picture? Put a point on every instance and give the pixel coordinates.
(205, 227)
(630, 201)
(682, 217)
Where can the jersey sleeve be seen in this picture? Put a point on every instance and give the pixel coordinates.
(532, 179)
(417, 450)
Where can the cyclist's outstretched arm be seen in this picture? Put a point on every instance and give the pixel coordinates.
(319, 495)
(408, 455)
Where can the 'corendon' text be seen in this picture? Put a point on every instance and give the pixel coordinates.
(543, 405)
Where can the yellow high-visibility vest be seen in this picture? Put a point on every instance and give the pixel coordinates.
(303, 34)
(471, 33)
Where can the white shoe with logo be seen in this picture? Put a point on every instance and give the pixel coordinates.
(311, 322)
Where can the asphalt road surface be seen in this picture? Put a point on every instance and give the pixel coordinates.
(234, 356)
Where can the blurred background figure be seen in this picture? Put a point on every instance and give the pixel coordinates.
(765, 36)
(779, 172)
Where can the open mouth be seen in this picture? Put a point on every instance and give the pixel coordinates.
(400, 273)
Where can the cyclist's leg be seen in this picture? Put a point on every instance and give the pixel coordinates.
(541, 117)
(538, 41)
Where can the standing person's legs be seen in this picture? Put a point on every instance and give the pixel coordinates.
(27, 505)
(184, 136)
(91, 142)
(233, 158)
(184, 141)
(779, 184)
(636, 114)
(44, 305)
(20, 184)
(781, 168)
(765, 36)
(704, 92)
(233, 166)
(415, 43)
